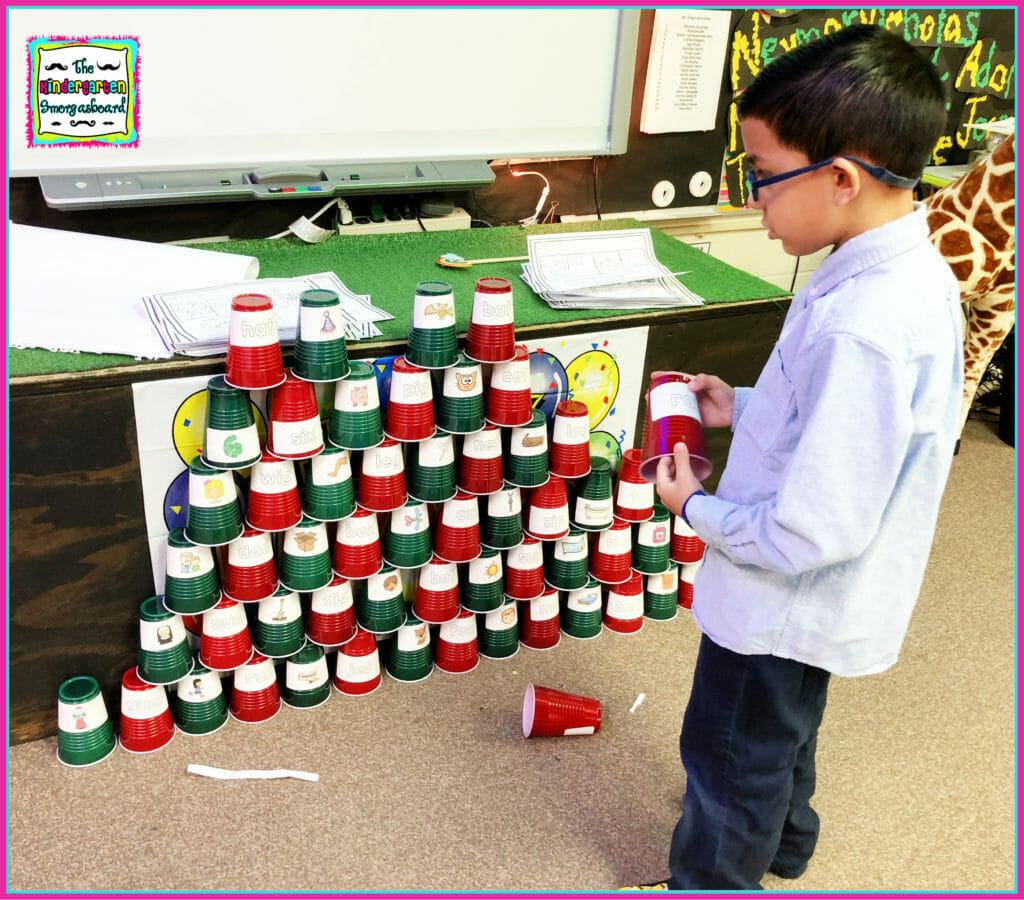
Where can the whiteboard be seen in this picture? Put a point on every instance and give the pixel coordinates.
(256, 86)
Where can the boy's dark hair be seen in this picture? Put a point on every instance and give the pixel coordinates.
(861, 91)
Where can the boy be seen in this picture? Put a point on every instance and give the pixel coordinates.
(820, 529)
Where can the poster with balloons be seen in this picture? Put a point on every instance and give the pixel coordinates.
(604, 372)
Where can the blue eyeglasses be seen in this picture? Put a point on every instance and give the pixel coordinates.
(882, 174)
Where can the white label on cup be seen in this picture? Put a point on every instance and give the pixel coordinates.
(511, 376)
(252, 550)
(441, 577)
(652, 534)
(189, 562)
(383, 461)
(226, 620)
(358, 531)
(463, 382)
(334, 599)
(210, 491)
(162, 635)
(664, 582)
(492, 309)
(198, 688)
(674, 398)
(593, 512)
(255, 677)
(273, 478)
(584, 600)
(588, 729)
(253, 329)
(502, 504)
(357, 395)
(410, 387)
(384, 586)
(680, 526)
(306, 540)
(460, 513)
(625, 606)
(413, 637)
(571, 548)
(331, 468)
(688, 571)
(409, 519)
(279, 610)
(434, 311)
(436, 452)
(484, 444)
(81, 716)
(459, 631)
(305, 436)
(358, 669)
(230, 445)
(320, 323)
(571, 430)
(485, 569)
(502, 619)
(306, 676)
(529, 441)
(143, 704)
(615, 541)
(635, 496)
(548, 521)
(526, 556)
(544, 607)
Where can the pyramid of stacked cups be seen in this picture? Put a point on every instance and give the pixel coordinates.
(450, 522)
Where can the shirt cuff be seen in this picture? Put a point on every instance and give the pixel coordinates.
(687, 503)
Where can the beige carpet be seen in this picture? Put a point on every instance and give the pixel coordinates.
(432, 787)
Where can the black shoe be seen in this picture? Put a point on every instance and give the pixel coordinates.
(783, 872)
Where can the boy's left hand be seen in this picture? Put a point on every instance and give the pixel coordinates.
(674, 479)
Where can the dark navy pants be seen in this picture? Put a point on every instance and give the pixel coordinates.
(748, 742)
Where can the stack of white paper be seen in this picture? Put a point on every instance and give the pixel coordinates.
(602, 270)
(196, 322)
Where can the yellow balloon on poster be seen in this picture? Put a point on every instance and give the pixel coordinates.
(593, 379)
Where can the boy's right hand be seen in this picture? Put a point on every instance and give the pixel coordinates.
(714, 398)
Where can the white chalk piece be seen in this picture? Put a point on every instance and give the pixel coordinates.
(639, 699)
(235, 774)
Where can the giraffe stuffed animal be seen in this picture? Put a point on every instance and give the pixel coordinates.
(972, 224)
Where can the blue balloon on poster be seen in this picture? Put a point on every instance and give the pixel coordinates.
(547, 382)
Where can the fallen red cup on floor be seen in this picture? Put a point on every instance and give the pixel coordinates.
(551, 713)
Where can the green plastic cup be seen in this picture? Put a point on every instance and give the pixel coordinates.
(661, 595)
(305, 557)
(356, 420)
(214, 514)
(405, 543)
(165, 654)
(565, 560)
(433, 343)
(430, 468)
(501, 518)
(408, 655)
(581, 613)
(307, 681)
(320, 353)
(85, 734)
(328, 491)
(279, 630)
(201, 706)
(498, 632)
(652, 542)
(526, 452)
(591, 506)
(191, 585)
(460, 408)
(231, 439)
(381, 607)
(481, 583)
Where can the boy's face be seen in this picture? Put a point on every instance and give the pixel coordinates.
(796, 211)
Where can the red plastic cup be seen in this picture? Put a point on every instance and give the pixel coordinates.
(146, 721)
(357, 548)
(250, 574)
(490, 337)
(225, 642)
(410, 412)
(294, 431)
(611, 557)
(634, 494)
(672, 415)
(457, 535)
(255, 696)
(357, 670)
(437, 592)
(539, 621)
(551, 713)
(509, 401)
(569, 455)
(686, 546)
(547, 516)
(524, 570)
(687, 573)
(274, 503)
(480, 464)
(457, 650)
(254, 360)
(381, 481)
(624, 607)
(332, 614)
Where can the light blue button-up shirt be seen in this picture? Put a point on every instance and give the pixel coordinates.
(821, 526)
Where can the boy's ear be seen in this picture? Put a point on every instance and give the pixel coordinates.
(846, 181)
